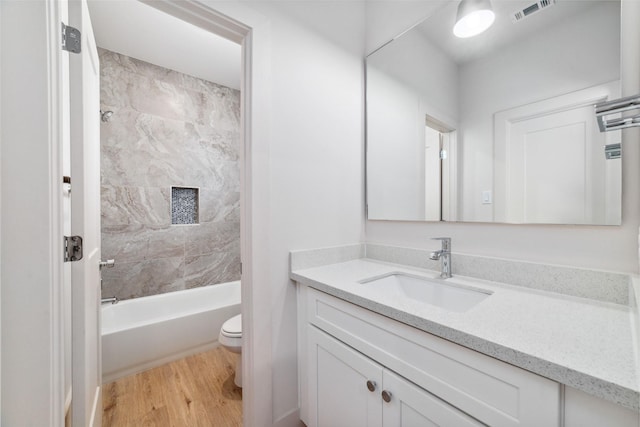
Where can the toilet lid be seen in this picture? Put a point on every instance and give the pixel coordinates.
(233, 326)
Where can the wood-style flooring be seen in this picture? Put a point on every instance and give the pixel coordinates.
(197, 391)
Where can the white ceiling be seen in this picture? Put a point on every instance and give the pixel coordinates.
(439, 27)
(137, 30)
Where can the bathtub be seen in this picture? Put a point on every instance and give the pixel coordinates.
(142, 333)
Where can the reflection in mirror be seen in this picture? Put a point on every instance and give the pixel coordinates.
(499, 127)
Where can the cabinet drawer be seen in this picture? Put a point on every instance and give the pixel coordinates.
(489, 390)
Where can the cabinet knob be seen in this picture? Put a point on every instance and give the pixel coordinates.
(386, 396)
(371, 385)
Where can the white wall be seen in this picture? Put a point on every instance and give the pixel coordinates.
(310, 154)
(611, 248)
(394, 163)
(398, 100)
(540, 67)
(315, 154)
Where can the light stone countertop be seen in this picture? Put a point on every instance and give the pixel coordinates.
(578, 342)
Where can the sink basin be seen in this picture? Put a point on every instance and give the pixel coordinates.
(445, 295)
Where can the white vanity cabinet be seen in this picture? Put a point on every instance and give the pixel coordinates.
(431, 381)
(348, 389)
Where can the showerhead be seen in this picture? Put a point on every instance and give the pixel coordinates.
(105, 116)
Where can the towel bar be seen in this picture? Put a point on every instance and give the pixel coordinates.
(618, 106)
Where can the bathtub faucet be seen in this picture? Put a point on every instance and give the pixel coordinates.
(112, 300)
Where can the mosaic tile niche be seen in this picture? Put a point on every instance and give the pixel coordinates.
(169, 131)
(184, 205)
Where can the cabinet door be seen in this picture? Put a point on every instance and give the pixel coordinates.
(412, 406)
(338, 392)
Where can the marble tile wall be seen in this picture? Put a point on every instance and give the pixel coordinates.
(168, 129)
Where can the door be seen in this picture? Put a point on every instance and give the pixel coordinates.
(85, 221)
(549, 163)
(552, 168)
(344, 385)
(411, 406)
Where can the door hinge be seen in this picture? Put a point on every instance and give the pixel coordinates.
(71, 39)
(613, 151)
(443, 154)
(72, 248)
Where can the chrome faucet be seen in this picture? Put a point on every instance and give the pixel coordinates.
(112, 300)
(444, 255)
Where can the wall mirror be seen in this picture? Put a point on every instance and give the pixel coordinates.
(499, 127)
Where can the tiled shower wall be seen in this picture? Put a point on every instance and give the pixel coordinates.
(168, 129)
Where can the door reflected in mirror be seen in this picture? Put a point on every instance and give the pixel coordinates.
(499, 127)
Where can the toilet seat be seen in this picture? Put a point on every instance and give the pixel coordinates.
(232, 328)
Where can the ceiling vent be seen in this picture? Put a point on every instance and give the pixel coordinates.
(531, 9)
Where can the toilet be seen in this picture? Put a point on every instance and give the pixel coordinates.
(231, 338)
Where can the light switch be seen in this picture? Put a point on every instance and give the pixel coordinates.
(486, 197)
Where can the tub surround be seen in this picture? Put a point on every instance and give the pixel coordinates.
(585, 342)
(168, 130)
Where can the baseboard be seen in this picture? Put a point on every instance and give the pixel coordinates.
(112, 376)
(290, 419)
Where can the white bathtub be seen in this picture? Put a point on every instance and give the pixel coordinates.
(141, 333)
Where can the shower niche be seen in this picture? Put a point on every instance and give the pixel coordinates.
(185, 203)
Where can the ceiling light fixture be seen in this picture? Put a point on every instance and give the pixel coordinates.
(474, 17)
